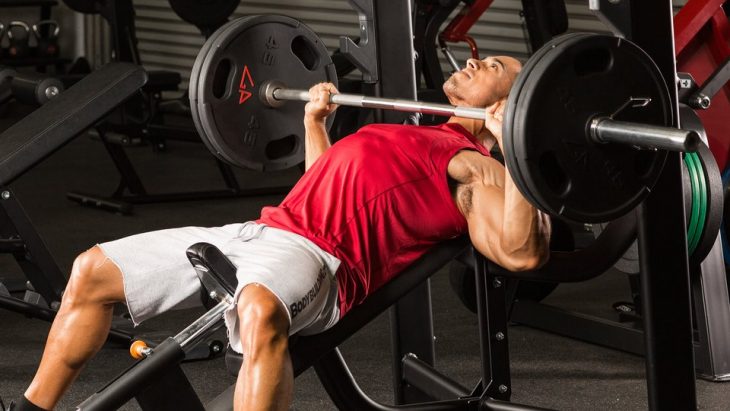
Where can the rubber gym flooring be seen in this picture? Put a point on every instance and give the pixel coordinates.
(547, 370)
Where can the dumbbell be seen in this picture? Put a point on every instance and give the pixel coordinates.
(48, 41)
(18, 36)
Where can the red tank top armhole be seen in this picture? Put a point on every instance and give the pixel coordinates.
(459, 129)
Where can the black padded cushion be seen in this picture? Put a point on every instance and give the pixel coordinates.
(48, 128)
(218, 265)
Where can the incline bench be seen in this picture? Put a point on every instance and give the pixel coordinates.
(158, 383)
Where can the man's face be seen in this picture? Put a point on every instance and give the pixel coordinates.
(482, 82)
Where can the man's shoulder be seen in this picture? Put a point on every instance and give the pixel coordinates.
(471, 166)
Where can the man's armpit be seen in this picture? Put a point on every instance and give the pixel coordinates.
(463, 197)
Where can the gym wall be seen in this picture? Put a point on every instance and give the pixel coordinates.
(166, 42)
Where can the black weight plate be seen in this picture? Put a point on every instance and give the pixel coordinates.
(558, 165)
(225, 30)
(84, 6)
(509, 114)
(715, 204)
(195, 74)
(204, 13)
(599, 177)
(225, 82)
(514, 104)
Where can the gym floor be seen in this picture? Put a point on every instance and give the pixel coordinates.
(547, 370)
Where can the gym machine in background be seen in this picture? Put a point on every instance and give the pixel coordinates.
(143, 118)
(22, 147)
(702, 33)
(25, 144)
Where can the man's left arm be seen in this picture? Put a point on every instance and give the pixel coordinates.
(316, 139)
(503, 225)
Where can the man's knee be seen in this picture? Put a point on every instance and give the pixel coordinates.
(262, 318)
(94, 278)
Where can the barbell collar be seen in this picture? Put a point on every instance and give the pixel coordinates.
(606, 130)
(273, 96)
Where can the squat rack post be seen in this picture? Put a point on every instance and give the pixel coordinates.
(665, 283)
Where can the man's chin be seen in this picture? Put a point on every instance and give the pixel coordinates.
(449, 87)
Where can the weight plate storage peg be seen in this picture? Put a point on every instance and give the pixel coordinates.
(224, 90)
(554, 160)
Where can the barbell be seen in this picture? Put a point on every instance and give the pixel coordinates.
(585, 132)
(603, 129)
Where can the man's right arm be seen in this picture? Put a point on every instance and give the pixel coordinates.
(316, 139)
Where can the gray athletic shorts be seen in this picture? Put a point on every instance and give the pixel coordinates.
(158, 276)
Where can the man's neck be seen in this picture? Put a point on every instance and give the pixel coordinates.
(476, 128)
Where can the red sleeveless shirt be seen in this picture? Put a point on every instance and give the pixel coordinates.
(377, 200)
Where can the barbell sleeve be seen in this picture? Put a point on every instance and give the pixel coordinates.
(355, 100)
(607, 130)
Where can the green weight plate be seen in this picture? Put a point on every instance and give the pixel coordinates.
(715, 202)
(703, 202)
(694, 215)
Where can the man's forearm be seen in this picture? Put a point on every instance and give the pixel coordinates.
(316, 140)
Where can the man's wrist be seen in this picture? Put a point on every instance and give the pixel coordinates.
(311, 121)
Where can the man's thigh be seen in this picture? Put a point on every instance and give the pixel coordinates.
(295, 271)
(156, 272)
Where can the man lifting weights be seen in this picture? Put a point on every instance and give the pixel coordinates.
(365, 209)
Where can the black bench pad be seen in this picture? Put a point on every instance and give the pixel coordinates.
(306, 350)
(48, 128)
